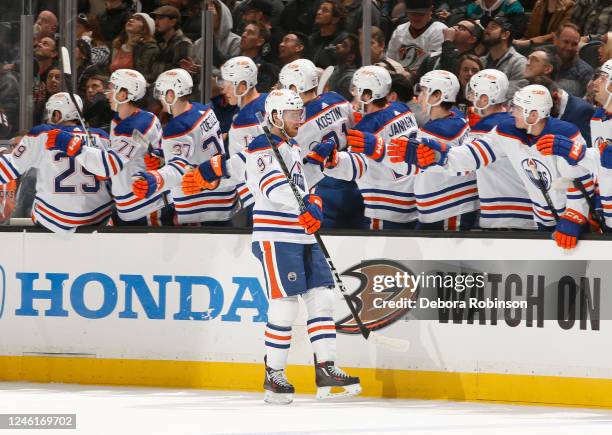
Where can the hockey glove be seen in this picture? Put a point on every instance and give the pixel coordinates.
(312, 216)
(206, 176)
(366, 143)
(552, 144)
(431, 152)
(59, 140)
(146, 184)
(569, 228)
(320, 153)
(402, 150)
(605, 154)
(154, 159)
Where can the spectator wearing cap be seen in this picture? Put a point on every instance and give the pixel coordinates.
(419, 37)
(463, 38)
(174, 46)
(293, 46)
(574, 73)
(89, 28)
(546, 17)
(135, 47)
(113, 19)
(497, 38)
(261, 11)
(511, 9)
(252, 42)
(97, 111)
(330, 20)
(299, 16)
(377, 52)
(347, 61)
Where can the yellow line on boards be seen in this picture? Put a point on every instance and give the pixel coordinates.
(543, 390)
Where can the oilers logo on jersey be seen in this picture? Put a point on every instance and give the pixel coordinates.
(534, 165)
(297, 175)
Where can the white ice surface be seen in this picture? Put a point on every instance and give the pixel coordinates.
(152, 411)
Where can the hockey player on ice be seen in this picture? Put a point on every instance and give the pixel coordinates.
(192, 136)
(547, 178)
(67, 195)
(292, 261)
(125, 156)
(504, 201)
(328, 118)
(443, 201)
(598, 159)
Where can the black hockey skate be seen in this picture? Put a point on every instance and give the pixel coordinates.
(329, 376)
(278, 389)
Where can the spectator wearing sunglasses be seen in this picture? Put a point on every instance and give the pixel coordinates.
(173, 44)
(463, 38)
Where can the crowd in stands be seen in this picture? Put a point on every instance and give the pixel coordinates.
(556, 43)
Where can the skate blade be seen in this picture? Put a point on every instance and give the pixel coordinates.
(325, 393)
(277, 398)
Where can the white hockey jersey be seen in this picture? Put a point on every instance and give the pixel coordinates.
(533, 168)
(189, 139)
(504, 201)
(67, 195)
(276, 211)
(124, 159)
(601, 133)
(410, 51)
(244, 129)
(386, 194)
(328, 117)
(438, 195)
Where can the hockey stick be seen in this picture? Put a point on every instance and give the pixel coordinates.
(395, 344)
(67, 69)
(578, 184)
(327, 72)
(540, 183)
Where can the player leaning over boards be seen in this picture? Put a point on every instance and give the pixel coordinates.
(504, 201)
(444, 201)
(67, 196)
(388, 197)
(558, 205)
(192, 136)
(293, 263)
(126, 154)
(598, 159)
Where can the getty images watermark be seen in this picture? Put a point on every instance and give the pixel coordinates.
(458, 282)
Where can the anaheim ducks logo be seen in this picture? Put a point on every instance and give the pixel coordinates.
(363, 297)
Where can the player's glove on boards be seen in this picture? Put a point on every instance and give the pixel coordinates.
(569, 228)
